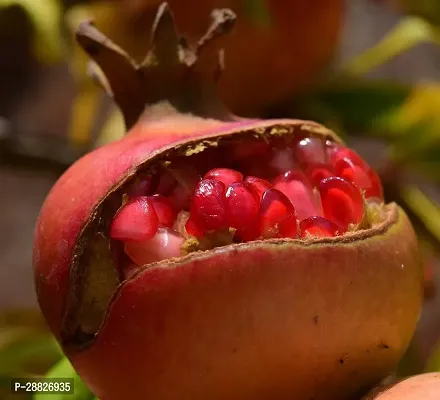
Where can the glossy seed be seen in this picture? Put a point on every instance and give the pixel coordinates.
(164, 245)
(275, 207)
(260, 185)
(225, 175)
(311, 150)
(318, 226)
(165, 212)
(362, 176)
(342, 202)
(208, 204)
(295, 185)
(136, 220)
(242, 205)
(317, 172)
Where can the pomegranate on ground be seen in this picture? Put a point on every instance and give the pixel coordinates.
(209, 256)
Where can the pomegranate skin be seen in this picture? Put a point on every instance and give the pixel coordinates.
(418, 387)
(81, 188)
(252, 324)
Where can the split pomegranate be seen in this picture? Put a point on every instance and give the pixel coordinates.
(249, 207)
(206, 256)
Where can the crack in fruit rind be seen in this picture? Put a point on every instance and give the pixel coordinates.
(285, 187)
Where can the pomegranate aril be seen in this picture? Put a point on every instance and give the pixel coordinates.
(194, 228)
(208, 204)
(363, 177)
(275, 207)
(331, 148)
(316, 173)
(345, 153)
(342, 202)
(288, 228)
(164, 245)
(298, 190)
(260, 185)
(376, 189)
(242, 204)
(135, 221)
(310, 150)
(165, 212)
(281, 159)
(318, 226)
(225, 175)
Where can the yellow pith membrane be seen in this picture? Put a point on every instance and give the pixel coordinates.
(300, 187)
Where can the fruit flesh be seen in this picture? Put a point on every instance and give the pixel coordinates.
(216, 195)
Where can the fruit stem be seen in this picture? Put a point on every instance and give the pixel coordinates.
(168, 73)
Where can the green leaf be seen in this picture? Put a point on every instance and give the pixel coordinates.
(65, 370)
(408, 33)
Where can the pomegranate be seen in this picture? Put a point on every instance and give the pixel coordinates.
(418, 387)
(201, 257)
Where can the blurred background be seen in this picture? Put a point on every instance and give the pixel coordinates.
(370, 69)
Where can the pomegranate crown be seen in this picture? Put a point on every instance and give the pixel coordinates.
(169, 72)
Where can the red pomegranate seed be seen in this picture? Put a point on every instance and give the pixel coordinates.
(342, 202)
(288, 227)
(225, 175)
(295, 186)
(208, 204)
(345, 153)
(260, 185)
(194, 227)
(165, 212)
(136, 220)
(311, 150)
(164, 245)
(331, 147)
(318, 226)
(281, 159)
(376, 189)
(316, 173)
(275, 207)
(363, 177)
(242, 204)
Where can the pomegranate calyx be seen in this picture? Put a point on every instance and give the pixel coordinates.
(168, 73)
